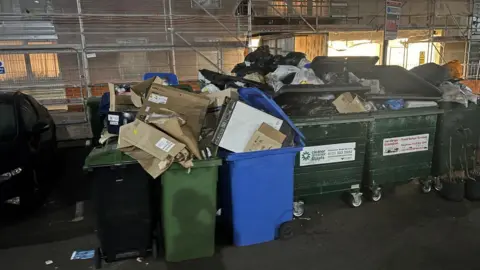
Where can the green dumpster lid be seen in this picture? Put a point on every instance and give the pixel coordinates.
(93, 100)
(106, 156)
(400, 83)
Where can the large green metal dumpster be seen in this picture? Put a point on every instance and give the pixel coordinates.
(333, 159)
(400, 148)
(456, 142)
(334, 156)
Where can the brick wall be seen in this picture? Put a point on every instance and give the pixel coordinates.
(98, 90)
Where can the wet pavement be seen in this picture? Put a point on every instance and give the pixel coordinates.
(405, 230)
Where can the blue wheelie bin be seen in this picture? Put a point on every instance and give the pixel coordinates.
(257, 187)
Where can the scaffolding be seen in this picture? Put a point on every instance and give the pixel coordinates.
(118, 41)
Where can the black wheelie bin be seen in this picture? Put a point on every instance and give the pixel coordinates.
(121, 196)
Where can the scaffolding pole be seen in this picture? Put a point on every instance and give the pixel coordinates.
(218, 21)
(86, 72)
(173, 61)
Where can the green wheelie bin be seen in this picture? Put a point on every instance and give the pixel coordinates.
(96, 123)
(188, 210)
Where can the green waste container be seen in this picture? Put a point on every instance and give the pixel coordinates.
(189, 200)
(333, 159)
(400, 148)
(96, 123)
(457, 139)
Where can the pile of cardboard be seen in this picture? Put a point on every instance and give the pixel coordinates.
(166, 128)
(173, 125)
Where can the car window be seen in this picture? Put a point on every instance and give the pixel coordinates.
(28, 114)
(8, 125)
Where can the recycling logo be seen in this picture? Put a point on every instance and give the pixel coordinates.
(306, 156)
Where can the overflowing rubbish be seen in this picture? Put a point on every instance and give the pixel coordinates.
(250, 123)
(448, 80)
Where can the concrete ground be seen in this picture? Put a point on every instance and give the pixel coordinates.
(406, 230)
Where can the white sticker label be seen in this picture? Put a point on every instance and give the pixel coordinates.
(91, 55)
(114, 123)
(165, 145)
(157, 99)
(407, 144)
(324, 154)
(114, 118)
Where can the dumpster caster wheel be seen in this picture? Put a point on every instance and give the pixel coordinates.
(98, 258)
(355, 200)
(298, 208)
(426, 188)
(376, 195)
(437, 184)
(286, 231)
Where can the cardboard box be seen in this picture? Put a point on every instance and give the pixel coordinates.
(149, 146)
(265, 138)
(191, 107)
(119, 103)
(238, 124)
(140, 90)
(346, 103)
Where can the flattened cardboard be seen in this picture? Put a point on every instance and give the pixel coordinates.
(149, 146)
(191, 107)
(238, 123)
(173, 127)
(265, 138)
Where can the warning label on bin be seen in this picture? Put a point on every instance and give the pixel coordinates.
(324, 154)
(407, 144)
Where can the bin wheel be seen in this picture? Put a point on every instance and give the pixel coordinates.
(97, 258)
(355, 200)
(376, 195)
(298, 209)
(286, 231)
(155, 249)
(426, 188)
(437, 185)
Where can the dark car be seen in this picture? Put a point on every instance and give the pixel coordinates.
(27, 149)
